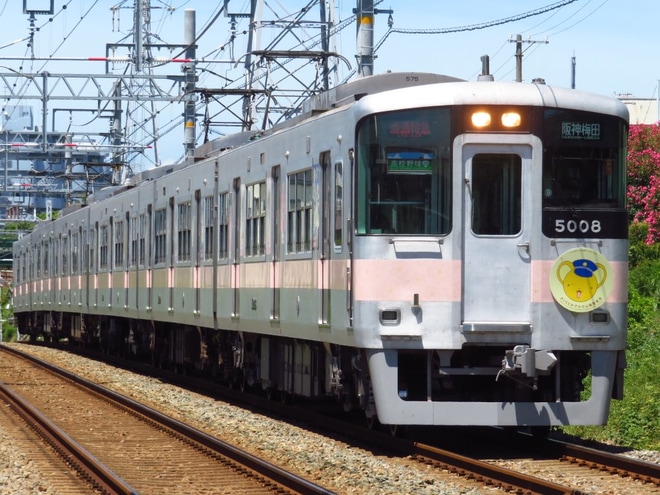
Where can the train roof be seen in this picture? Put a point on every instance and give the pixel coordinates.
(355, 90)
(450, 91)
(493, 93)
(336, 97)
(374, 95)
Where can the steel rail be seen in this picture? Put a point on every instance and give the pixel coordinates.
(647, 472)
(87, 466)
(284, 478)
(491, 474)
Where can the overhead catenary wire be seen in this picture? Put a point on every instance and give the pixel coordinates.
(552, 31)
(76, 26)
(308, 41)
(475, 27)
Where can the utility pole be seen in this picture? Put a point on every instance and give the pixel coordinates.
(365, 37)
(189, 70)
(519, 53)
(365, 15)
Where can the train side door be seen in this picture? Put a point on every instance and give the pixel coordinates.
(497, 223)
(276, 243)
(326, 239)
(333, 270)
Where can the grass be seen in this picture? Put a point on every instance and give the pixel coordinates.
(635, 421)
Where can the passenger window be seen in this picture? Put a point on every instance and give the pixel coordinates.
(496, 194)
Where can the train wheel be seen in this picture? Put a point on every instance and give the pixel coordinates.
(540, 432)
(270, 393)
(237, 381)
(347, 405)
(395, 430)
(372, 422)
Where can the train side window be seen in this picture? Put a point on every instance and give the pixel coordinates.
(56, 256)
(339, 206)
(46, 261)
(39, 260)
(93, 234)
(184, 230)
(142, 235)
(207, 225)
(74, 253)
(160, 236)
(119, 244)
(65, 255)
(299, 218)
(255, 219)
(103, 247)
(133, 241)
(223, 225)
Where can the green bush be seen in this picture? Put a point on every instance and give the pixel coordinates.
(633, 421)
(639, 250)
(6, 314)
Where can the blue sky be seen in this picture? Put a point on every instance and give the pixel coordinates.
(615, 43)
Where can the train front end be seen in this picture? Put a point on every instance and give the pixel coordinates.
(489, 265)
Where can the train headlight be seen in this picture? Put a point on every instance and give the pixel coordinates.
(481, 119)
(511, 119)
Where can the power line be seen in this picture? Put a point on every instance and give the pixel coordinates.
(475, 27)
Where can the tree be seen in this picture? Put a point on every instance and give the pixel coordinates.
(6, 315)
(644, 178)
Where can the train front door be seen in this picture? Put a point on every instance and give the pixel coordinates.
(497, 224)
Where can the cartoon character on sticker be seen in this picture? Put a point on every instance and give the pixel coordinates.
(581, 279)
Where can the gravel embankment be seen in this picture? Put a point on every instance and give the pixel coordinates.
(345, 469)
(17, 474)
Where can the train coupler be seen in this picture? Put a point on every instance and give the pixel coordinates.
(527, 361)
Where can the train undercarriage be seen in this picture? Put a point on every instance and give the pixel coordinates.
(291, 367)
(286, 367)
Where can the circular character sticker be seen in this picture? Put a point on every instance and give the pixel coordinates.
(581, 279)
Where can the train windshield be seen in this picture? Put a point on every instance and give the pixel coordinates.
(583, 160)
(404, 173)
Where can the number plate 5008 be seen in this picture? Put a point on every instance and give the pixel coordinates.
(600, 224)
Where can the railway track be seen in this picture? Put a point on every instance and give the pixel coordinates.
(535, 467)
(90, 471)
(526, 465)
(29, 449)
(550, 476)
(100, 433)
(578, 468)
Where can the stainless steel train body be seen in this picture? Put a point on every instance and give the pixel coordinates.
(430, 250)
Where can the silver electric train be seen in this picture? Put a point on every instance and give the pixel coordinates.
(430, 250)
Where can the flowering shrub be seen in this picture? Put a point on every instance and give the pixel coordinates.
(643, 194)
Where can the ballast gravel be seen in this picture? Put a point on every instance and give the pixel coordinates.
(331, 464)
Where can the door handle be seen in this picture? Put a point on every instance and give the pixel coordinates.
(524, 245)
